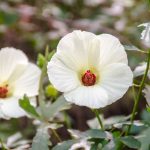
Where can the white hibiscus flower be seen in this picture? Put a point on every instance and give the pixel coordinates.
(17, 77)
(145, 35)
(91, 70)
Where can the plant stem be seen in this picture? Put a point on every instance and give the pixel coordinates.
(145, 52)
(2, 145)
(41, 91)
(56, 135)
(137, 99)
(98, 118)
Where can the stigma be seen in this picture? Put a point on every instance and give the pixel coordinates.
(3, 91)
(89, 78)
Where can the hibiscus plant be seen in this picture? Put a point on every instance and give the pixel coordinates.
(86, 70)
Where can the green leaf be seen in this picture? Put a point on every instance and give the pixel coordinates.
(131, 142)
(65, 145)
(26, 106)
(41, 140)
(95, 133)
(145, 140)
(96, 146)
(131, 48)
(146, 116)
(50, 55)
(110, 146)
(8, 18)
(41, 60)
(50, 91)
(148, 109)
(58, 105)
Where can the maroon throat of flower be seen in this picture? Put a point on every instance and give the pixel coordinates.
(3, 91)
(89, 78)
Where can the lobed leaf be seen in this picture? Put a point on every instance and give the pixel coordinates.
(26, 106)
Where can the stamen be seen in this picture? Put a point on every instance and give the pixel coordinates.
(3, 91)
(89, 78)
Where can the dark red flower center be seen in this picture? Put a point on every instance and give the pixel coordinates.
(3, 91)
(89, 78)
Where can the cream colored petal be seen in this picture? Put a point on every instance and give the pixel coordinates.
(116, 79)
(9, 108)
(75, 47)
(90, 96)
(17, 73)
(63, 78)
(111, 50)
(28, 83)
(9, 59)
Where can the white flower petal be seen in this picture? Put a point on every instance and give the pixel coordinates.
(94, 53)
(9, 59)
(9, 108)
(143, 24)
(63, 78)
(139, 70)
(75, 52)
(28, 83)
(111, 50)
(145, 35)
(75, 47)
(90, 96)
(17, 72)
(83, 144)
(116, 79)
(104, 55)
(146, 91)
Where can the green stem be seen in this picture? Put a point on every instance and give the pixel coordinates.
(41, 91)
(137, 99)
(2, 145)
(98, 118)
(56, 135)
(145, 52)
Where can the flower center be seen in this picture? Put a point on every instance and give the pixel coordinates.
(3, 91)
(89, 78)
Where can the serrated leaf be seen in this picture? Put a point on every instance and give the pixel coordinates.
(41, 140)
(58, 105)
(130, 142)
(26, 106)
(65, 145)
